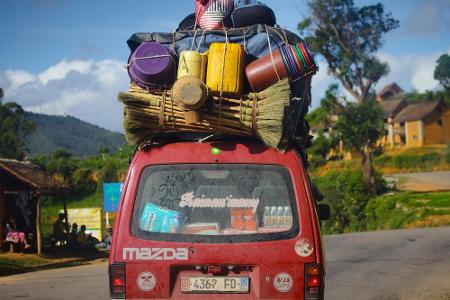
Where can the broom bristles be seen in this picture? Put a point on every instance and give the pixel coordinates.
(272, 115)
(142, 116)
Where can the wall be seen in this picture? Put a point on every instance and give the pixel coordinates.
(399, 131)
(414, 133)
(437, 128)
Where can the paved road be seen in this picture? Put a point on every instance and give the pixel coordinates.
(387, 265)
(423, 182)
(74, 283)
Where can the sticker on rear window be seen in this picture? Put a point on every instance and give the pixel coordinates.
(283, 282)
(146, 281)
(189, 200)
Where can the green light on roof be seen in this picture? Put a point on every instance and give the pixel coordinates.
(215, 151)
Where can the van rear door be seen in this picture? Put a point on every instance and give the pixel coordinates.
(217, 231)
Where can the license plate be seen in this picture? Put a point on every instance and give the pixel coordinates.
(237, 285)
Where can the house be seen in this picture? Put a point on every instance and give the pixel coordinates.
(22, 184)
(389, 91)
(412, 124)
(420, 124)
(391, 108)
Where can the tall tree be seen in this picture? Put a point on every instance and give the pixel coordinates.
(13, 129)
(360, 127)
(1, 95)
(442, 71)
(348, 38)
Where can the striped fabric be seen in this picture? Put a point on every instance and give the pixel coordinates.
(212, 14)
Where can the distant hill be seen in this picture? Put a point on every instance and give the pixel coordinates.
(78, 137)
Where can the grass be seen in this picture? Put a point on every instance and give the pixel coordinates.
(20, 262)
(421, 159)
(17, 263)
(409, 210)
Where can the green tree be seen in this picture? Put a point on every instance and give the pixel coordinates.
(62, 164)
(13, 129)
(348, 38)
(442, 71)
(360, 126)
(329, 105)
(324, 142)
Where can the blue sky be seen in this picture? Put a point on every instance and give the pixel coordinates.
(67, 56)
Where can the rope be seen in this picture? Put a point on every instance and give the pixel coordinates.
(202, 39)
(240, 115)
(172, 115)
(193, 39)
(222, 78)
(244, 34)
(283, 36)
(254, 113)
(149, 57)
(162, 109)
(271, 54)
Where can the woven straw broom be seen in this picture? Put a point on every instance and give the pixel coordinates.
(265, 114)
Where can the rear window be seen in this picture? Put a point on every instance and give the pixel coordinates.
(215, 203)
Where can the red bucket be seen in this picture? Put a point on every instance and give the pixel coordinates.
(264, 72)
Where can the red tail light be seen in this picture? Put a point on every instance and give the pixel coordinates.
(314, 288)
(117, 281)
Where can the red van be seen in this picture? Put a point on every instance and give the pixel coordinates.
(228, 220)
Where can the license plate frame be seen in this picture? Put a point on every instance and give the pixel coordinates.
(215, 285)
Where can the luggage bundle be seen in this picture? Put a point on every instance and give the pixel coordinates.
(220, 74)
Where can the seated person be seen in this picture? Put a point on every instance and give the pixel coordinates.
(73, 236)
(15, 236)
(108, 238)
(82, 237)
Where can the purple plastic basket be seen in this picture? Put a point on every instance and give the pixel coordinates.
(152, 65)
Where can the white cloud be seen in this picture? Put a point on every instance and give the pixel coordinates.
(60, 70)
(84, 89)
(18, 78)
(413, 71)
(68, 100)
(106, 72)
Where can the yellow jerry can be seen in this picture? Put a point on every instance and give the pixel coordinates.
(225, 68)
(192, 63)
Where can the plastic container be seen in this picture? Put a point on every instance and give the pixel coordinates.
(190, 93)
(192, 63)
(213, 14)
(225, 68)
(262, 73)
(304, 59)
(152, 65)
